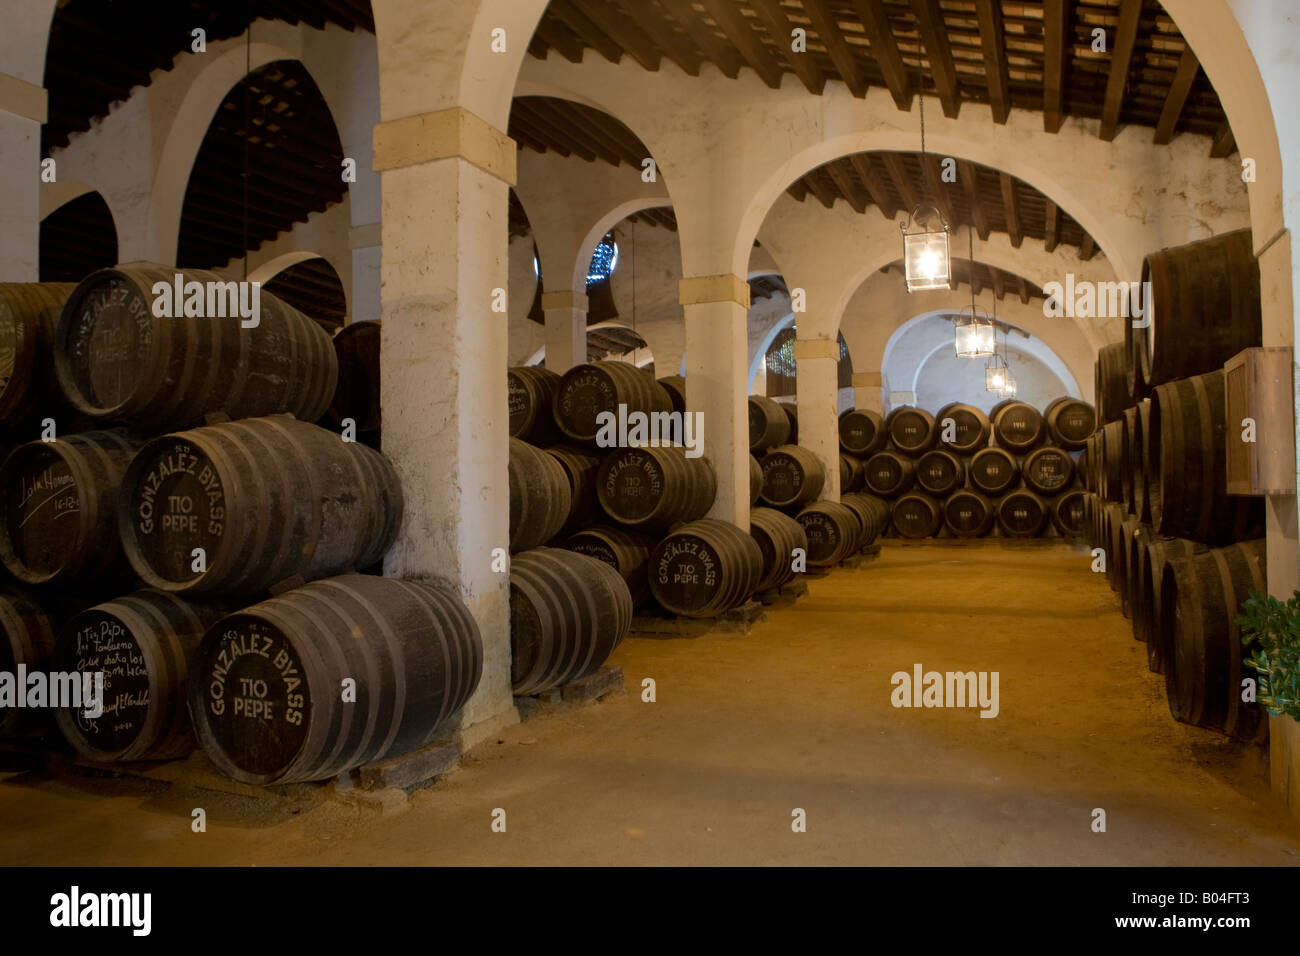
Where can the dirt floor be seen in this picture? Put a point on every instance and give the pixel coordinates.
(795, 714)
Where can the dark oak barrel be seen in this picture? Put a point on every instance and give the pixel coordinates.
(1129, 527)
(1137, 541)
(911, 430)
(29, 321)
(833, 531)
(581, 467)
(675, 386)
(1128, 434)
(1147, 609)
(777, 535)
(889, 474)
(1067, 513)
(1069, 422)
(266, 689)
(1111, 461)
(970, 429)
(792, 476)
(862, 432)
(568, 612)
(1201, 596)
(917, 516)
(541, 496)
(268, 500)
(792, 416)
(30, 625)
(768, 424)
(1204, 308)
(627, 552)
(1187, 435)
(755, 481)
(59, 503)
(1019, 427)
(852, 477)
(531, 397)
(1112, 542)
(705, 568)
(1110, 382)
(587, 390)
(1047, 470)
(968, 514)
(142, 643)
(940, 472)
(116, 360)
(356, 396)
(872, 514)
(654, 487)
(1022, 514)
(994, 471)
(1138, 459)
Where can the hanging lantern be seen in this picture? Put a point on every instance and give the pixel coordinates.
(1009, 389)
(995, 374)
(974, 337)
(926, 260)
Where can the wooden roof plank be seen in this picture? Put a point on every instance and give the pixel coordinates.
(1130, 13)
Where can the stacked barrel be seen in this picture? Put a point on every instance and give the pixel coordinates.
(1181, 553)
(186, 540)
(961, 473)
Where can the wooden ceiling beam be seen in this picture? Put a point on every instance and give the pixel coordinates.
(566, 118)
(553, 34)
(819, 189)
(586, 29)
(836, 47)
(1089, 247)
(1051, 225)
(999, 283)
(970, 183)
(993, 43)
(1055, 34)
(934, 35)
(735, 26)
(627, 35)
(938, 189)
(1121, 57)
(1011, 209)
(1184, 77)
(901, 179)
(1224, 142)
(875, 187)
(661, 32)
(885, 50)
(840, 173)
(715, 49)
(778, 27)
(1024, 290)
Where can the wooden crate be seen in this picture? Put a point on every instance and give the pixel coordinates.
(1258, 385)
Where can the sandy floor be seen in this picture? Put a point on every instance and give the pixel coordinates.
(796, 714)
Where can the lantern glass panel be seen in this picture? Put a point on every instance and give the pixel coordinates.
(926, 261)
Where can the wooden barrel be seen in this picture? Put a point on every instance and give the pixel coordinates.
(531, 396)
(654, 487)
(755, 481)
(940, 472)
(1187, 434)
(792, 476)
(1022, 514)
(1128, 434)
(541, 498)
(1019, 427)
(269, 500)
(29, 320)
(267, 683)
(1204, 306)
(1137, 542)
(1110, 386)
(1047, 470)
(1201, 596)
(889, 474)
(917, 516)
(581, 468)
(1112, 542)
(356, 396)
(969, 429)
(59, 508)
(587, 390)
(777, 536)
(142, 643)
(705, 568)
(994, 471)
(851, 474)
(862, 432)
(911, 430)
(568, 612)
(873, 516)
(1129, 527)
(792, 416)
(675, 386)
(768, 424)
(1147, 607)
(627, 552)
(1067, 513)
(116, 360)
(1069, 422)
(1112, 461)
(833, 531)
(1137, 460)
(968, 514)
(29, 625)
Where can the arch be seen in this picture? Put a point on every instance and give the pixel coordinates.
(764, 344)
(601, 228)
(77, 238)
(62, 192)
(272, 268)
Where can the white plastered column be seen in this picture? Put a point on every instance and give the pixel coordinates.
(446, 167)
(817, 364)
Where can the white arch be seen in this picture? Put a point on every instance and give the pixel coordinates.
(60, 193)
(272, 268)
(764, 344)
